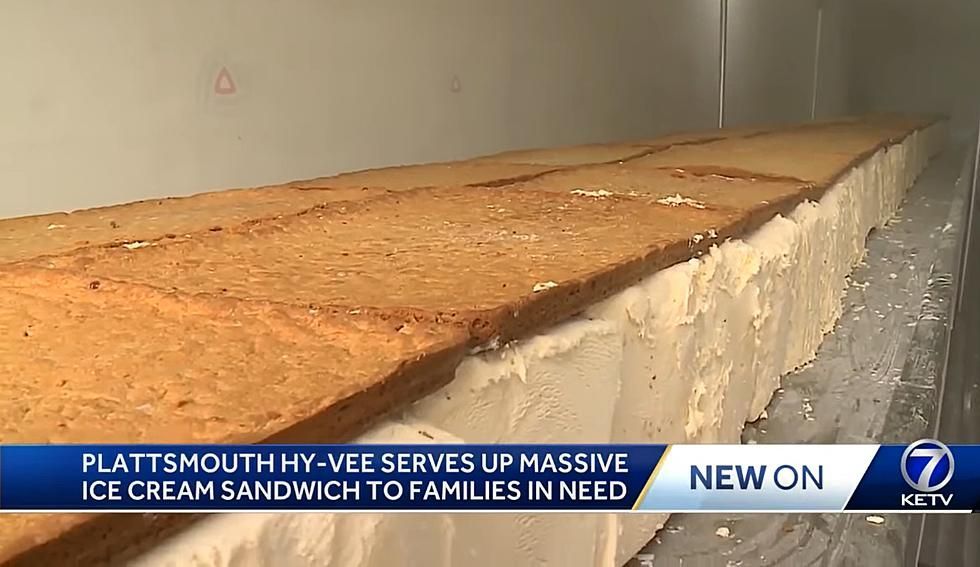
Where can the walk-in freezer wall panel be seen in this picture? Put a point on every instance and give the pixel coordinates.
(124, 99)
(915, 56)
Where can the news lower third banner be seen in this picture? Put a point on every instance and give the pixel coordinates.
(923, 476)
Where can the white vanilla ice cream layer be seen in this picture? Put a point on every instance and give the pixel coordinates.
(690, 354)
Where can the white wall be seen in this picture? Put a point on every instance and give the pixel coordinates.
(112, 101)
(916, 56)
(771, 48)
(833, 84)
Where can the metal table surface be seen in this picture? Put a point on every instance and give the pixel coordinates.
(947, 539)
(878, 378)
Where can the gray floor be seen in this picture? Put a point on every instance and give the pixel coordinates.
(876, 378)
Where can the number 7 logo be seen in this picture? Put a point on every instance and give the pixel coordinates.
(939, 458)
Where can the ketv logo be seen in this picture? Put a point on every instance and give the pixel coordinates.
(927, 466)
